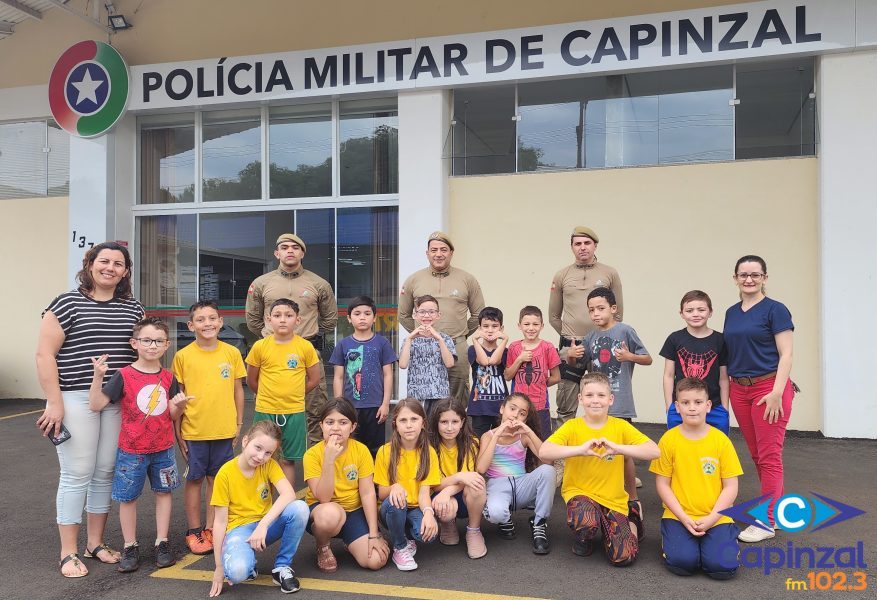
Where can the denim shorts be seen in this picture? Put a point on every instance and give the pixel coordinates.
(132, 469)
(354, 527)
(207, 456)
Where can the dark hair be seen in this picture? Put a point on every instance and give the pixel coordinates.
(694, 295)
(530, 311)
(421, 446)
(595, 377)
(86, 281)
(531, 461)
(265, 427)
(490, 313)
(424, 298)
(154, 322)
(750, 258)
(362, 301)
(691, 383)
(467, 444)
(602, 292)
(202, 304)
(339, 405)
(284, 302)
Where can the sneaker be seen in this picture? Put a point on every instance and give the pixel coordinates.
(208, 533)
(326, 561)
(582, 548)
(475, 546)
(635, 516)
(753, 533)
(449, 535)
(403, 559)
(199, 541)
(507, 530)
(163, 555)
(639, 482)
(286, 579)
(540, 536)
(412, 547)
(130, 559)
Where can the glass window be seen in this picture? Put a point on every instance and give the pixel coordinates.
(59, 161)
(300, 151)
(231, 155)
(316, 228)
(167, 159)
(22, 160)
(777, 111)
(369, 152)
(483, 134)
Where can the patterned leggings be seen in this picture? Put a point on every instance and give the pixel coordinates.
(589, 519)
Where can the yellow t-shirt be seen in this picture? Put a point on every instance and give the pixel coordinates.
(406, 470)
(248, 498)
(353, 464)
(209, 376)
(696, 469)
(448, 461)
(600, 479)
(282, 374)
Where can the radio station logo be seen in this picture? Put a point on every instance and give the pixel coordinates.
(794, 512)
(88, 89)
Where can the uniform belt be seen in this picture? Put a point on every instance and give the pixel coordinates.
(749, 381)
(566, 341)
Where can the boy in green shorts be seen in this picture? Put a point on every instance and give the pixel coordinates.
(281, 369)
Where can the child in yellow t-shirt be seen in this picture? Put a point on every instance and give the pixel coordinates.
(595, 446)
(210, 373)
(342, 496)
(246, 520)
(281, 369)
(697, 479)
(405, 469)
(462, 492)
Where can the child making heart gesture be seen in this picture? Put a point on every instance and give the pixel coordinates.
(595, 446)
(509, 458)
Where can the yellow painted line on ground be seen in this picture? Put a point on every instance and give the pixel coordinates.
(31, 412)
(181, 572)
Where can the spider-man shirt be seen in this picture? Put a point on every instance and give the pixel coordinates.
(532, 377)
(695, 357)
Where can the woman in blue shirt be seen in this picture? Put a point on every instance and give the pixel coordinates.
(758, 335)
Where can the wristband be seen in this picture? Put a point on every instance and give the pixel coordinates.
(375, 537)
(428, 508)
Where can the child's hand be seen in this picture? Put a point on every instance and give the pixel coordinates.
(622, 354)
(576, 349)
(442, 506)
(383, 412)
(237, 438)
(100, 365)
(218, 580)
(380, 546)
(691, 525)
(526, 356)
(599, 447)
(471, 479)
(257, 538)
(428, 526)
(184, 448)
(179, 401)
(398, 496)
(333, 449)
(703, 525)
(430, 331)
(501, 336)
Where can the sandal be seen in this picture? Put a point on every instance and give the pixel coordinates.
(76, 562)
(326, 561)
(102, 547)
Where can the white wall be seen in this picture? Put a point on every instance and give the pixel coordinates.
(847, 86)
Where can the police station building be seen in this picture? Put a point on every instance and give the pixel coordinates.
(685, 138)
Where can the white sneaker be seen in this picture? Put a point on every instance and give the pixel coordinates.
(639, 482)
(753, 534)
(403, 559)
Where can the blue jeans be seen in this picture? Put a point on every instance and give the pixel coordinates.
(402, 523)
(239, 559)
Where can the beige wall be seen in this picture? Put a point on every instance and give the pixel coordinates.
(168, 30)
(667, 230)
(34, 267)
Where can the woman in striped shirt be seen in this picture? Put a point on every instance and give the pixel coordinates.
(95, 319)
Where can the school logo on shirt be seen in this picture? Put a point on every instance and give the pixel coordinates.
(292, 361)
(709, 465)
(351, 473)
(152, 400)
(224, 370)
(263, 491)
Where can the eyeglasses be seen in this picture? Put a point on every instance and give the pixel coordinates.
(753, 276)
(151, 342)
(427, 313)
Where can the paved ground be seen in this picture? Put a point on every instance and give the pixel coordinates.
(840, 469)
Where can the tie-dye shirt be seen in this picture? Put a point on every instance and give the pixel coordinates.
(508, 461)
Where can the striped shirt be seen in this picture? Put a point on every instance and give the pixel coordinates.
(92, 328)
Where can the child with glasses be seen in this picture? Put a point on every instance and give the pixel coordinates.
(150, 400)
(427, 354)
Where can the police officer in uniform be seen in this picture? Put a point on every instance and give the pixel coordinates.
(318, 311)
(460, 300)
(568, 311)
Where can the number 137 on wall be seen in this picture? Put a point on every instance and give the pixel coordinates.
(81, 242)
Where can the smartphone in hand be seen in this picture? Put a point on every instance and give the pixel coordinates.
(62, 436)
